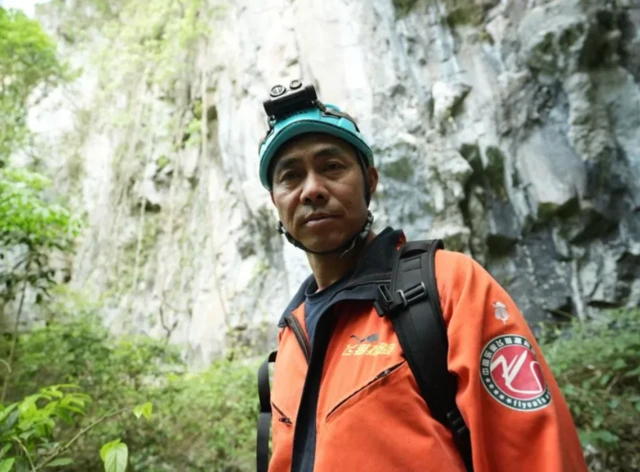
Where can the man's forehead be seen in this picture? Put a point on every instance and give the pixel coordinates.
(312, 144)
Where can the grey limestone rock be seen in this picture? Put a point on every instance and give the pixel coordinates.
(511, 129)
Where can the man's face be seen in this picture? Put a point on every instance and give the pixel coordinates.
(318, 189)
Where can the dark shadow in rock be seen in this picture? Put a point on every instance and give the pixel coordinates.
(504, 229)
(628, 268)
(629, 46)
(152, 207)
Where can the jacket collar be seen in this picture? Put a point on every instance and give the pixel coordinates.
(375, 263)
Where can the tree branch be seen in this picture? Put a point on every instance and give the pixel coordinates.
(78, 435)
(14, 341)
(17, 439)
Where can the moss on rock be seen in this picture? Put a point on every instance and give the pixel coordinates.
(401, 169)
(464, 12)
(494, 172)
(403, 7)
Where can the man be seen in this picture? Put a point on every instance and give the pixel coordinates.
(343, 395)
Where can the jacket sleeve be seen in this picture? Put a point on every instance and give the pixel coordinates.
(511, 403)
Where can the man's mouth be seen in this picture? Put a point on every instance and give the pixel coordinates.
(317, 218)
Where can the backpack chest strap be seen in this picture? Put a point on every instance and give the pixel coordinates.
(412, 304)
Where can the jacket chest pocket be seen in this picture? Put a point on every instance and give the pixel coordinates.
(288, 381)
(284, 404)
(282, 421)
(279, 415)
(373, 386)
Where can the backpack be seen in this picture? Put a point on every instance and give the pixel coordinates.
(413, 305)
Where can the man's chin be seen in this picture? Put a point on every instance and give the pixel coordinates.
(323, 243)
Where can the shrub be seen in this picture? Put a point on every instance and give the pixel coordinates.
(201, 421)
(206, 421)
(598, 369)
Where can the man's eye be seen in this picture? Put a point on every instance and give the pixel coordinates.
(287, 176)
(334, 166)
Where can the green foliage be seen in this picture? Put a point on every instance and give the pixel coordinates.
(86, 16)
(150, 40)
(598, 369)
(212, 418)
(27, 426)
(30, 228)
(28, 64)
(26, 218)
(27, 431)
(87, 354)
(201, 421)
(206, 421)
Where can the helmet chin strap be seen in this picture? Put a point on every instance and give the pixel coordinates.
(345, 248)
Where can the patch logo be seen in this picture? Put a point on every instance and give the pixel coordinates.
(501, 312)
(512, 375)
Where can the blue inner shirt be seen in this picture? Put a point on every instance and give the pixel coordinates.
(316, 302)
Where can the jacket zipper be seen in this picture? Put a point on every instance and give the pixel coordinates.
(380, 376)
(283, 418)
(295, 325)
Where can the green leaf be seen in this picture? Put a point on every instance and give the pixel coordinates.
(598, 420)
(143, 410)
(116, 458)
(5, 465)
(107, 447)
(606, 436)
(4, 450)
(60, 462)
(10, 421)
(619, 364)
(6, 411)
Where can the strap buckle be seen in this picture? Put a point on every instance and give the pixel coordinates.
(414, 293)
(384, 302)
(387, 303)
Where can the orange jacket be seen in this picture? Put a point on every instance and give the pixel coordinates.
(368, 411)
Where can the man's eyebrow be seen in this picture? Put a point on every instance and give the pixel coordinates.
(288, 161)
(329, 150)
(285, 163)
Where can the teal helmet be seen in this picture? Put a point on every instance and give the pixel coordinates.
(316, 117)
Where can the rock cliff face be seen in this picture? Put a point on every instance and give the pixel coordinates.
(509, 128)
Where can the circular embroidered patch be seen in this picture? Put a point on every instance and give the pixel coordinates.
(512, 375)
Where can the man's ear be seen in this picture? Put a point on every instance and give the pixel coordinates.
(272, 200)
(372, 175)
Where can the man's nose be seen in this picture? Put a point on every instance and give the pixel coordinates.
(314, 189)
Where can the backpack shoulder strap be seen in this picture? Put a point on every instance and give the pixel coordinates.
(264, 419)
(413, 305)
